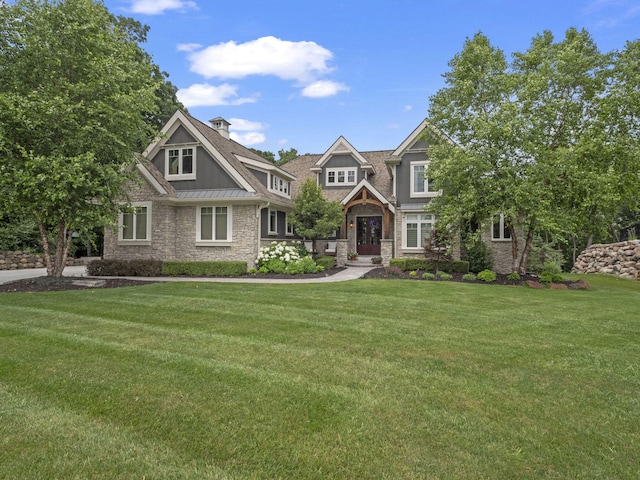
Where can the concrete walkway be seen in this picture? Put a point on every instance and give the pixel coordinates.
(349, 273)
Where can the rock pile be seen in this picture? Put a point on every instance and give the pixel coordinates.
(622, 259)
(21, 260)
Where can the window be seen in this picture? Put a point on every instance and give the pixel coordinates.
(135, 224)
(341, 176)
(500, 228)
(213, 224)
(289, 226)
(417, 229)
(180, 163)
(279, 186)
(420, 186)
(273, 221)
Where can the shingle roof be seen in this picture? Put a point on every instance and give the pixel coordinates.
(381, 180)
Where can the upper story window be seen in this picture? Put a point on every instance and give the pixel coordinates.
(340, 176)
(135, 224)
(500, 228)
(420, 184)
(180, 163)
(279, 186)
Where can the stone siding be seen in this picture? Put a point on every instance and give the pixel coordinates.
(173, 237)
(622, 259)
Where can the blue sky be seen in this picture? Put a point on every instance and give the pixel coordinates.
(298, 74)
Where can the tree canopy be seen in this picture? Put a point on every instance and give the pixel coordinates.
(549, 139)
(314, 216)
(284, 156)
(76, 95)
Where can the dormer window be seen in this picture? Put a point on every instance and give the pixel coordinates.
(180, 163)
(337, 177)
(279, 185)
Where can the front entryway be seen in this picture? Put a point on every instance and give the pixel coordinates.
(368, 235)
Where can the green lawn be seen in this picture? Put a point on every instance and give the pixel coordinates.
(365, 379)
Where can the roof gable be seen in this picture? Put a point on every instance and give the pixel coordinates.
(341, 147)
(364, 184)
(180, 120)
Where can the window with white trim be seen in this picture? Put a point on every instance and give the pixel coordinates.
(289, 225)
(420, 185)
(341, 176)
(213, 224)
(500, 228)
(417, 229)
(180, 163)
(135, 223)
(273, 222)
(279, 185)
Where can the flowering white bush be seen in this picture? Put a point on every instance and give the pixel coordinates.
(283, 258)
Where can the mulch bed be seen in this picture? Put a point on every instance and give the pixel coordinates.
(50, 284)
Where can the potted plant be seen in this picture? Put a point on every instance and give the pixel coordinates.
(352, 256)
(376, 260)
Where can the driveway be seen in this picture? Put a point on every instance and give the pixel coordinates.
(349, 273)
(7, 276)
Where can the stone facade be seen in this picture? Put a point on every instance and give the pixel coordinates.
(173, 237)
(622, 259)
(22, 260)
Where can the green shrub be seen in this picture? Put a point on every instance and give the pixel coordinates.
(487, 276)
(398, 263)
(125, 268)
(444, 276)
(327, 262)
(458, 266)
(419, 264)
(476, 252)
(202, 269)
(428, 276)
(542, 253)
(551, 273)
(469, 277)
(513, 276)
(413, 273)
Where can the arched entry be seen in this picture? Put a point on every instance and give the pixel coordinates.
(368, 235)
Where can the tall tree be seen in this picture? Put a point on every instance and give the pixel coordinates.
(285, 156)
(535, 138)
(314, 217)
(76, 91)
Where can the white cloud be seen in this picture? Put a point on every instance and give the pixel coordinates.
(611, 13)
(205, 95)
(323, 88)
(408, 108)
(188, 47)
(300, 61)
(158, 7)
(245, 125)
(249, 138)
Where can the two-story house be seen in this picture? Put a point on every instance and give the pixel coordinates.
(203, 196)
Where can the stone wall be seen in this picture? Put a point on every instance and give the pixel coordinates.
(622, 259)
(22, 260)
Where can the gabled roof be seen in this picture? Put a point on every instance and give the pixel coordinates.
(342, 146)
(366, 185)
(408, 142)
(302, 167)
(229, 154)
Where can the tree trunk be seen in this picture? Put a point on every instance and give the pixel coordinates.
(514, 248)
(56, 261)
(524, 259)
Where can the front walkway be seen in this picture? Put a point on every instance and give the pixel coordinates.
(349, 273)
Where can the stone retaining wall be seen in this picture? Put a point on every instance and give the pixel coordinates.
(22, 260)
(622, 259)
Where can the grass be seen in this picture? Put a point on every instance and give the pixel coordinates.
(365, 379)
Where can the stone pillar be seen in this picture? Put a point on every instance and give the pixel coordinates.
(341, 251)
(386, 251)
